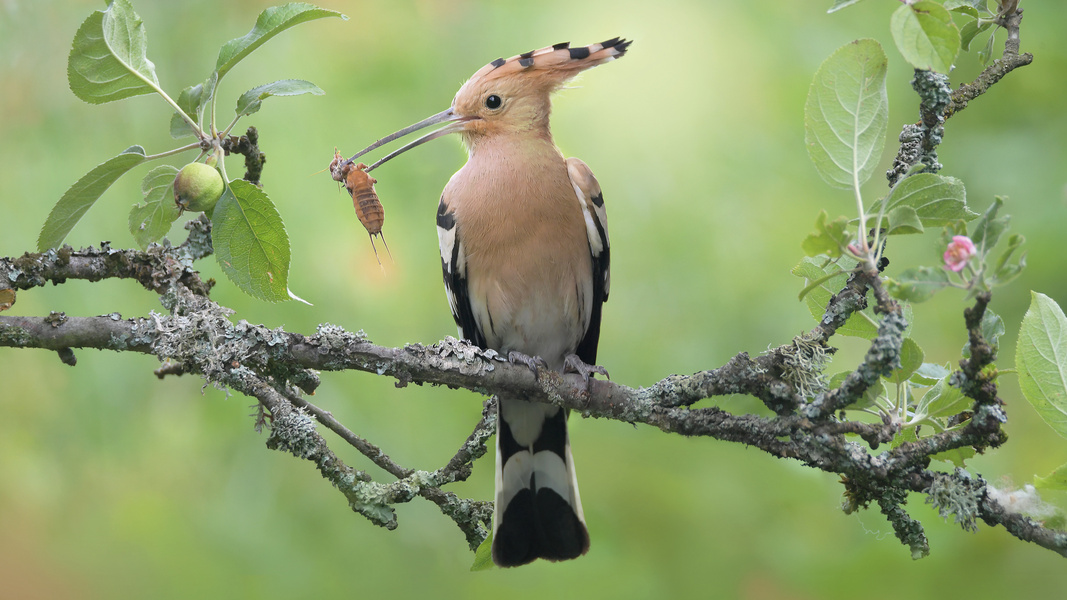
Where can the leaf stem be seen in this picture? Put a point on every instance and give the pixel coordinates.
(185, 117)
(194, 146)
(226, 132)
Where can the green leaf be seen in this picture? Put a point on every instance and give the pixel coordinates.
(860, 324)
(906, 435)
(191, 100)
(1004, 271)
(929, 374)
(270, 23)
(989, 228)
(1041, 359)
(83, 194)
(911, 358)
(1056, 480)
(250, 101)
(483, 556)
(250, 242)
(970, 30)
(992, 327)
(987, 51)
(961, 6)
(108, 59)
(152, 220)
(943, 400)
(917, 284)
(980, 6)
(869, 398)
(904, 219)
(828, 238)
(839, 4)
(938, 200)
(925, 35)
(957, 457)
(847, 113)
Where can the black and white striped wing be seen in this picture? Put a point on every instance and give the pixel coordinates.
(591, 199)
(454, 270)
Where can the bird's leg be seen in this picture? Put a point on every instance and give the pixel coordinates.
(573, 364)
(533, 362)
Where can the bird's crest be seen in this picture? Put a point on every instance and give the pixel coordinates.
(554, 65)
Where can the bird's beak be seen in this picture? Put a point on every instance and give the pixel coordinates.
(455, 123)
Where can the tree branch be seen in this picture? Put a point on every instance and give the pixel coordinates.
(276, 366)
(919, 141)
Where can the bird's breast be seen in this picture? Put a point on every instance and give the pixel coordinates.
(528, 268)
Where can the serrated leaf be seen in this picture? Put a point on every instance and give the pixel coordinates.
(1056, 480)
(270, 23)
(250, 242)
(483, 556)
(929, 374)
(250, 101)
(970, 30)
(925, 35)
(839, 4)
(992, 327)
(989, 228)
(1041, 359)
(847, 113)
(911, 358)
(151, 220)
(938, 200)
(904, 220)
(83, 194)
(829, 237)
(108, 59)
(859, 324)
(917, 284)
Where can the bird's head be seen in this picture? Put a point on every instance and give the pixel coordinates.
(508, 96)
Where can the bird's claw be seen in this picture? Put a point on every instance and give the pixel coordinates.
(573, 364)
(532, 362)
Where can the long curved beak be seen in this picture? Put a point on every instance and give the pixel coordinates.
(455, 123)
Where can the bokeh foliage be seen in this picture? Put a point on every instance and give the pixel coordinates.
(115, 484)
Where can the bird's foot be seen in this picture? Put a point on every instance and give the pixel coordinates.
(532, 362)
(573, 364)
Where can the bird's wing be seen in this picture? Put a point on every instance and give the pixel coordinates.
(454, 269)
(591, 200)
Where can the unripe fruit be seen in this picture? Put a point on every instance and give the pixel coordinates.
(197, 187)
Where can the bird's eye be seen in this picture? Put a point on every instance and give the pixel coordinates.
(493, 102)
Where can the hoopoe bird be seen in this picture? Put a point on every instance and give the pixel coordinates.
(524, 251)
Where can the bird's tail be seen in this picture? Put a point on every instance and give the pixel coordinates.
(538, 510)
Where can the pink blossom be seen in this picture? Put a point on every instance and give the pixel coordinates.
(959, 252)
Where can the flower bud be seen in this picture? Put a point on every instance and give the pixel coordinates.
(197, 187)
(959, 252)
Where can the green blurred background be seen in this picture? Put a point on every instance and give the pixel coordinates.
(114, 484)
